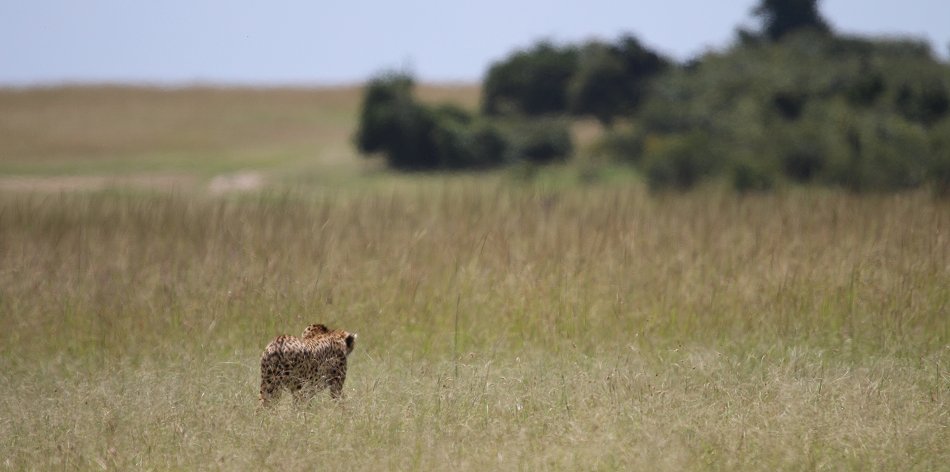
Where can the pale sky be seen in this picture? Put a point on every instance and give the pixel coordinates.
(308, 42)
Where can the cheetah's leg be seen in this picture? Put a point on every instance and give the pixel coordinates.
(335, 382)
(301, 392)
(272, 380)
(270, 391)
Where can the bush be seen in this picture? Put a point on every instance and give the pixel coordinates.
(393, 124)
(530, 82)
(753, 175)
(489, 145)
(875, 152)
(924, 101)
(938, 172)
(850, 112)
(679, 161)
(413, 136)
(600, 87)
(623, 145)
(802, 148)
(472, 145)
(540, 141)
(612, 80)
(598, 79)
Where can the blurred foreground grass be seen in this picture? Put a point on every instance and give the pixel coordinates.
(502, 326)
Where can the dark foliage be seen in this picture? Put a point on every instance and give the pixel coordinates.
(856, 113)
(530, 82)
(392, 123)
(598, 79)
(413, 136)
(793, 103)
(612, 79)
(781, 17)
(680, 161)
(540, 141)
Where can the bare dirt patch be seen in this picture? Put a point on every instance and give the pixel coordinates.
(65, 183)
(241, 181)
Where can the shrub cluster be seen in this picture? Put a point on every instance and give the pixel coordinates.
(414, 136)
(596, 79)
(792, 102)
(855, 113)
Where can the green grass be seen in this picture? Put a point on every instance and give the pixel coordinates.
(198, 131)
(598, 327)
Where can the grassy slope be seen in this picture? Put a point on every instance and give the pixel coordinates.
(503, 324)
(192, 131)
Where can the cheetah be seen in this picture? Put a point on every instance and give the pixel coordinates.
(305, 365)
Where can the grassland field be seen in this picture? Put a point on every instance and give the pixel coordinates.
(559, 319)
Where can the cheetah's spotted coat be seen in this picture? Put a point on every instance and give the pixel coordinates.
(305, 365)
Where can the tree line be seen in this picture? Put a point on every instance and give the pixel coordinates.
(791, 101)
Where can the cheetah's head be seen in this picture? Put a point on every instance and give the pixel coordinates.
(315, 330)
(350, 339)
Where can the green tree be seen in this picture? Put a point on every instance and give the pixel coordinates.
(600, 87)
(859, 113)
(540, 140)
(413, 136)
(780, 17)
(612, 80)
(393, 124)
(530, 82)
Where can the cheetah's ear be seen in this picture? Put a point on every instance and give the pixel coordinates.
(350, 342)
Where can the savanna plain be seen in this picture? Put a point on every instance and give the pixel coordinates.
(153, 241)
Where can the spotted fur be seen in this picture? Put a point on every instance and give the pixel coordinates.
(305, 365)
(315, 330)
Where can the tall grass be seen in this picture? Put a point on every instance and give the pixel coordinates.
(501, 326)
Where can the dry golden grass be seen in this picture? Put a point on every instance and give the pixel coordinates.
(506, 321)
(501, 327)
